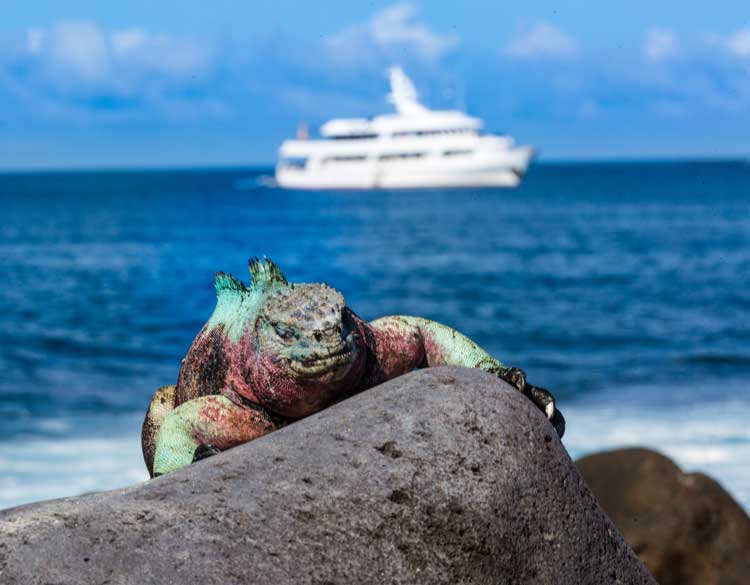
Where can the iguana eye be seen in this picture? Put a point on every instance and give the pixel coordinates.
(283, 331)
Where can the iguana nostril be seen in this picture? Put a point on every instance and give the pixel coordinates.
(318, 336)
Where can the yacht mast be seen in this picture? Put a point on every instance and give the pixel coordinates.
(403, 94)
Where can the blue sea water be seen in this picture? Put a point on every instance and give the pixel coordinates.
(623, 288)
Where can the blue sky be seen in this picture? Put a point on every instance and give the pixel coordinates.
(87, 83)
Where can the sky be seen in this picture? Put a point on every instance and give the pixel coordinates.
(91, 84)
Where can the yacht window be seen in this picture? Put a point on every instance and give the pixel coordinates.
(345, 158)
(401, 156)
(294, 162)
(404, 134)
(457, 152)
(353, 136)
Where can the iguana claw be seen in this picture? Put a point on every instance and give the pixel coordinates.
(544, 400)
(539, 396)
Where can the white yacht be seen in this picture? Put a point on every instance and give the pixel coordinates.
(414, 148)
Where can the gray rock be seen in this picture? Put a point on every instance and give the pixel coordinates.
(441, 476)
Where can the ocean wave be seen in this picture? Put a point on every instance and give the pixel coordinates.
(44, 468)
(712, 438)
(708, 358)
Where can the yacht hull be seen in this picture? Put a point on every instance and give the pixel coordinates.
(503, 169)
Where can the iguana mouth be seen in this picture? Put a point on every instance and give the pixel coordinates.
(317, 365)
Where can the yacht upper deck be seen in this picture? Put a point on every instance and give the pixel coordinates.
(411, 118)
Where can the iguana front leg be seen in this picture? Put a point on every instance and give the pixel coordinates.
(403, 343)
(205, 425)
(162, 403)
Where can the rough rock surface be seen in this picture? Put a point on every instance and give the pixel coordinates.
(441, 476)
(684, 526)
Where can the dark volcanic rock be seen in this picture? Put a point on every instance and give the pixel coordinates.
(441, 476)
(684, 526)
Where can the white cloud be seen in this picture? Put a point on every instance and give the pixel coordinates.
(75, 69)
(390, 30)
(81, 54)
(542, 41)
(129, 40)
(78, 47)
(393, 27)
(735, 44)
(660, 44)
(738, 43)
(158, 52)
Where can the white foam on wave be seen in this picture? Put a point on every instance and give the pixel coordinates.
(712, 438)
(39, 469)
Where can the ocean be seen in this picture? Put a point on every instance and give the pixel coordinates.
(623, 288)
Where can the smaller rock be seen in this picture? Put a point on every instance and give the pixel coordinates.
(684, 526)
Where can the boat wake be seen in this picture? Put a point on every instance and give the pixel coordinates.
(255, 183)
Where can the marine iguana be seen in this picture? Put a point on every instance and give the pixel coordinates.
(275, 352)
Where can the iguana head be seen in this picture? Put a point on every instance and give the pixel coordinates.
(308, 346)
(306, 327)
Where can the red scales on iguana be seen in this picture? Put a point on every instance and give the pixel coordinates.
(275, 352)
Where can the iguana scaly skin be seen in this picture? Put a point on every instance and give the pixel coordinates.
(275, 352)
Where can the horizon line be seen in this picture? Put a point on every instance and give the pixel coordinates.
(198, 167)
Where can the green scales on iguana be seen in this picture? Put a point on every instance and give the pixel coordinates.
(275, 352)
